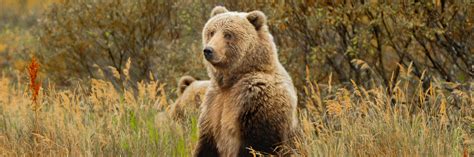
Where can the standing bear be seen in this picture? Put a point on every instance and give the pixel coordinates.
(251, 101)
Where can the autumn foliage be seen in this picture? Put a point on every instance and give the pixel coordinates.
(33, 68)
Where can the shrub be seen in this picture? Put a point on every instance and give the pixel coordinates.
(81, 38)
(366, 42)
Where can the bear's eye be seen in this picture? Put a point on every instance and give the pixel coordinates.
(211, 33)
(228, 36)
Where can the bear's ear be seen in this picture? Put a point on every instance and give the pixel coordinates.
(218, 10)
(257, 19)
(184, 82)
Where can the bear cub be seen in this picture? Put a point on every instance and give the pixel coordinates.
(190, 96)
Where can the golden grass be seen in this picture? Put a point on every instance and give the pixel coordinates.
(352, 121)
(370, 122)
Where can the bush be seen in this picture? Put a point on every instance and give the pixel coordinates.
(366, 42)
(83, 38)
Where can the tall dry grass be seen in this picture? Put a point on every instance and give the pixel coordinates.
(409, 121)
(412, 120)
(82, 122)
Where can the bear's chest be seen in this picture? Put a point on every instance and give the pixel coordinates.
(224, 111)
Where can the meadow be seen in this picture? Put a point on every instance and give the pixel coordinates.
(343, 122)
(76, 81)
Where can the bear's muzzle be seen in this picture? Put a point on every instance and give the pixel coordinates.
(208, 53)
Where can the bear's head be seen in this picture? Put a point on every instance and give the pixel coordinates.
(190, 96)
(237, 42)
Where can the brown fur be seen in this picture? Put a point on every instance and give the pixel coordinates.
(251, 101)
(190, 96)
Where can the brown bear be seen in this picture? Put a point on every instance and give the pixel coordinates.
(251, 102)
(190, 96)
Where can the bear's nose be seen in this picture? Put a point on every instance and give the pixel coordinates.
(208, 51)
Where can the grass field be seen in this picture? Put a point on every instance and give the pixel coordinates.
(337, 121)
